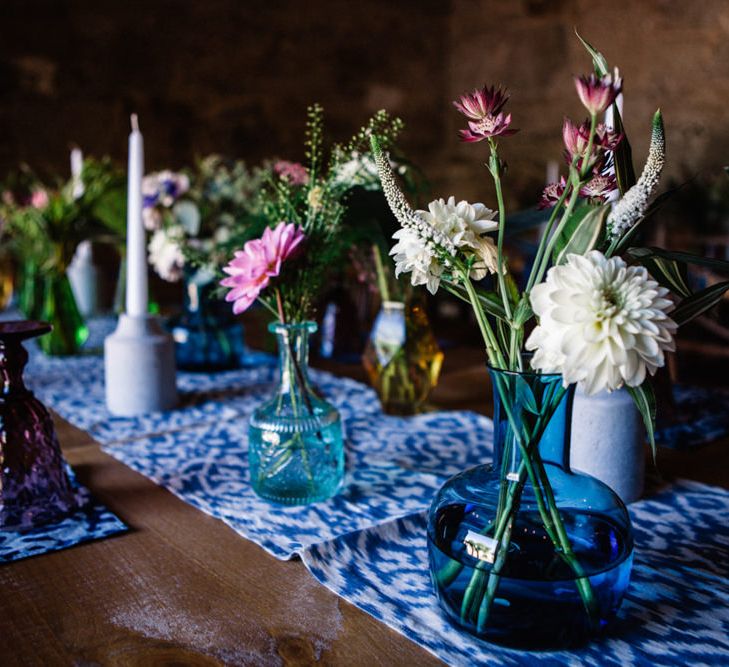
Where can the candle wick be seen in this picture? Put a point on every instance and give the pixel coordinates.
(135, 123)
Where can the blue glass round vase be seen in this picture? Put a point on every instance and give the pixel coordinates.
(296, 449)
(525, 552)
(207, 336)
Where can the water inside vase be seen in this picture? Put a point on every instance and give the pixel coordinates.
(296, 460)
(537, 604)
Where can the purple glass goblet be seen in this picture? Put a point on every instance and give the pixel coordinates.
(34, 486)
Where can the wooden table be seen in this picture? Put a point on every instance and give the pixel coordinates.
(183, 589)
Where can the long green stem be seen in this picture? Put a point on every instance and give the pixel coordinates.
(492, 346)
(495, 168)
(577, 180)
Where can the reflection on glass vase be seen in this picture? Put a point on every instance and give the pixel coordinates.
(526, 552)
(207, 336)
(402, 357)
(296, 449)
(58, 308)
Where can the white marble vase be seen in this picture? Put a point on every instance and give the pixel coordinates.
(608, 441)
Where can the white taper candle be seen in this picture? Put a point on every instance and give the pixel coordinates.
(136, 238)
(77, 167)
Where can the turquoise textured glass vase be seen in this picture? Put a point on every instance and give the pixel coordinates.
(525, 552)
(296, 450)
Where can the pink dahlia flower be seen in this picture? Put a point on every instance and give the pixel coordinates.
(252, 268)
(598, 93)
(483, 108)
(292, 172)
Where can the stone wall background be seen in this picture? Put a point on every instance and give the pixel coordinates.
(235, 77)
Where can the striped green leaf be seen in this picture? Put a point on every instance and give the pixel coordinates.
(585, 235)
(645, 400)
(666, 270)
(698, 303)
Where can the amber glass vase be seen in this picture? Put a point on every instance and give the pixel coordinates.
(402, 357)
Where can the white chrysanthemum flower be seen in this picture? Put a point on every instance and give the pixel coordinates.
(165, 253)
(413, 254)
(602, 323)
(464, 224)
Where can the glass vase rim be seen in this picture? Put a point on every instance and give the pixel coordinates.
(308, 326)
(528, 373)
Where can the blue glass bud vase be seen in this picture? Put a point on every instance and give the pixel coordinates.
(525, 552)
(296, 450)
(207, 336)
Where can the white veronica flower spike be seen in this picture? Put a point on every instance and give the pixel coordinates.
(602, 323)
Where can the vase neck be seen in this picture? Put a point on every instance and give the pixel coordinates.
(539, 409)
(293, 355)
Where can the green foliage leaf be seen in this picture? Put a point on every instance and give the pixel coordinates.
(523, 311)
(698, 303)
(623, 156)
(598, 60)
(525, 395)
(684, 257)
(665, 269)
(645, 400)
(654, 206)
(581, 233)
(490, 301)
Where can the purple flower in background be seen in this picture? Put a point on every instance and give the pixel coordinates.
(598, 93)
(483, 107)
(293, 173)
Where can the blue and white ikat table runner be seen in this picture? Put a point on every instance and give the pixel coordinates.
(368, 543)
(90, 521)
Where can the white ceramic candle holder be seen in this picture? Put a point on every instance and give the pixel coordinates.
(139, 365)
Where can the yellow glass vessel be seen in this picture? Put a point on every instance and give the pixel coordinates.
(402, 357)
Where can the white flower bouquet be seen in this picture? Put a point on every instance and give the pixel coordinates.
(594, 311)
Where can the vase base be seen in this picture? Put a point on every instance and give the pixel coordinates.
(537, 604)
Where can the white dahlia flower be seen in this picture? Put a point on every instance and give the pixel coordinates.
(602, 323)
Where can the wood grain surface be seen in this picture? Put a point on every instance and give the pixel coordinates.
(183, 589)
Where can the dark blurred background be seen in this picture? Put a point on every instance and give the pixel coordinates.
(235, 77)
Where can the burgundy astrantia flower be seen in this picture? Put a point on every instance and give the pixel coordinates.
(552, 193)
(483, 107)
(599, 187)
(251, 269)
(606, 138)
(292, 172)
(598, 93)
(576, 139)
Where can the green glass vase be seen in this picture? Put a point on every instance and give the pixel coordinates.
(58, 308)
